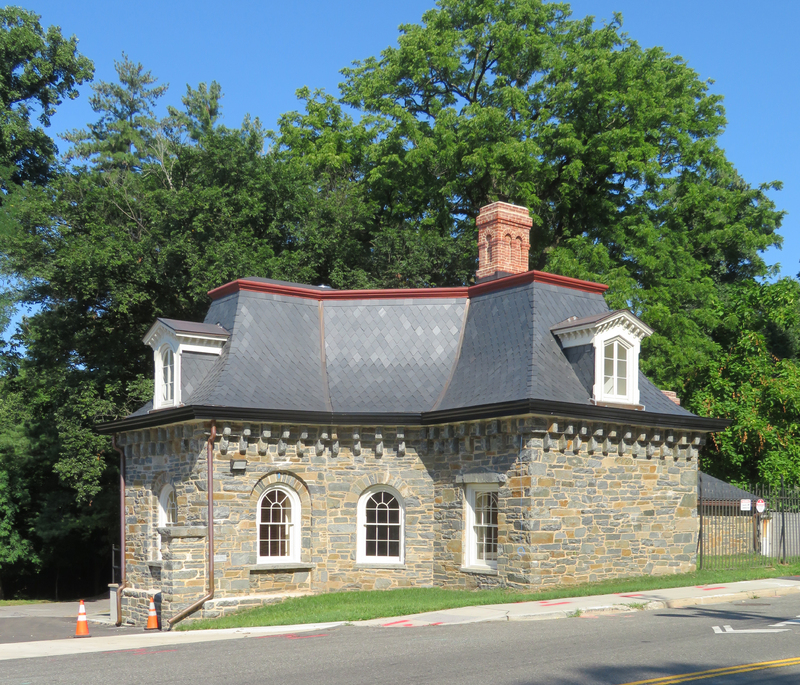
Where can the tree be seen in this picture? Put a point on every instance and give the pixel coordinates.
(754, 387)
(614, 148)
(148, 217)
(39, 69)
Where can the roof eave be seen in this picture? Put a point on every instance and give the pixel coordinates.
(473, 413)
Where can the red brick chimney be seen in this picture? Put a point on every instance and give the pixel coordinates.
(503, 241)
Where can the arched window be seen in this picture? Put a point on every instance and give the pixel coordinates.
(167, 513)
(380, 526)
(167, 376)
(279, 525)
(615, 369)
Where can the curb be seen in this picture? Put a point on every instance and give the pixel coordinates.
(651, 605)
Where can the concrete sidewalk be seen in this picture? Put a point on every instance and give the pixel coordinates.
(672, 598)
(519, 611)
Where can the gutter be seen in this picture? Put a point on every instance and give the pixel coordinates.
(122, 555)
(210, 595)
(586, 412)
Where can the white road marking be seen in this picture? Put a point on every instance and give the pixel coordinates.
(729, 629)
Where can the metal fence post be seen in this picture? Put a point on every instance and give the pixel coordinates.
(700, 515)
(783, 523)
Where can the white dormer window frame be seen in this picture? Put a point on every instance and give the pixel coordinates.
(164, 340)
(166, 365)
(616, 383)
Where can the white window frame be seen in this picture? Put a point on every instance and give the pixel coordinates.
(163, 514)
(631, 344)
(295, 527)
(361, 520)
(620, 325)
(159, 338)
(470, 555)
(158, 396)
(168, 360)
(617, 344)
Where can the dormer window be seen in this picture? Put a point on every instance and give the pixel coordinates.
(167, 376)
(615, 369)
(613, 340)
(182, 352)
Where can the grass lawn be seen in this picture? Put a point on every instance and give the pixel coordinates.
(15, 602)
(361, 606)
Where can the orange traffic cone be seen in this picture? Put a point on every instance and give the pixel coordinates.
(152, 619)
(82, 629)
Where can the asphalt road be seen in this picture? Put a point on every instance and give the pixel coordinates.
(613, 650)
(36, 628)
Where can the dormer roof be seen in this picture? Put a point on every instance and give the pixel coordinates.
(186, 329)
(580, 330)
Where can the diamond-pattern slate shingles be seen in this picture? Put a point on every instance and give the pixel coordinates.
(272, 360)
(194, 368)
(552, 376)
(390, 356)
(581, 357)
(223, 311)
(493, 365)
(656, 401)
(397, 355)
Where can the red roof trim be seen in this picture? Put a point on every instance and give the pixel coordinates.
(408, 293)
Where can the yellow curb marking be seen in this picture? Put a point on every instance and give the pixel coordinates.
(716, 672)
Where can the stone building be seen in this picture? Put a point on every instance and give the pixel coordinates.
(497, 434)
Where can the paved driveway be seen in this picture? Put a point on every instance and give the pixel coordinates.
(54, 620)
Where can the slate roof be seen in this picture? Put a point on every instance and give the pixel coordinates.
(574, 322)
(719, 490)
(359, 356)
(193, 328)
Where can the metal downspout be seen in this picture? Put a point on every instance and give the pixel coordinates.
(122, 556)
(210, 468)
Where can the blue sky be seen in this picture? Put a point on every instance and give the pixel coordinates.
(261, 52)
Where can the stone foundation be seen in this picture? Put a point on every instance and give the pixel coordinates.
(577, 502)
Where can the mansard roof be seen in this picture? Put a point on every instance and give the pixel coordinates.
(312, 354)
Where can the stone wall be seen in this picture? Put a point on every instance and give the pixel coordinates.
(577, 501)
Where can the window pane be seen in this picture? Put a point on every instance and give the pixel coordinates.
(486, 526)
(275, 528)
(608, 369)
(382, 530)
(622, 370)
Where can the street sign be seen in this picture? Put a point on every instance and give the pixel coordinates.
(744, 505)
(760, 506)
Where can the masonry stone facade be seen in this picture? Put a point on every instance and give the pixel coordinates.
(495, 434)
(577, 501)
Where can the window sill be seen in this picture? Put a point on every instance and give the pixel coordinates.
(617, 404)
(173, 531)
(379, 564)
(281, 566)
(483, 570)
